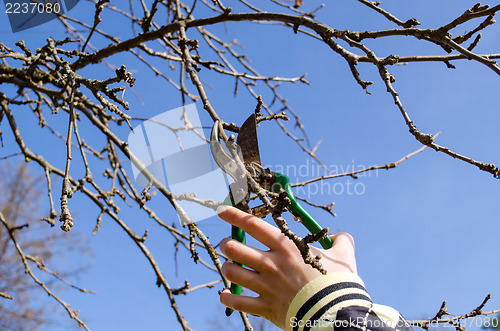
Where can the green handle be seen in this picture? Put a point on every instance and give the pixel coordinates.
(297, 210)
(237, 234)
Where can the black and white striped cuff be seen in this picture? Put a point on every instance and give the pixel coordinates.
(325, 294)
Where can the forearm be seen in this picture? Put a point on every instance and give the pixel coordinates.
(339, 301)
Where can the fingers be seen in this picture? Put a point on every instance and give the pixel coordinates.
(249, 256)
(249, 279)
(250, 305)
(341, 256)
(257, 228)
(345, 247)
(242, 253)
(344, 240)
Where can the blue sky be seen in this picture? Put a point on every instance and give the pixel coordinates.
(425, 232)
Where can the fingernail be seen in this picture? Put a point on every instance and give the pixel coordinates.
(226, 290)
(221, 209)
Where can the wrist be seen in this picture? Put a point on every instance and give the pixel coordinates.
(326, 293)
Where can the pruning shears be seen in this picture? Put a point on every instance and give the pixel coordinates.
(243, 158)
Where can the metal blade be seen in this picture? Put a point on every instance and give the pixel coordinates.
(228, 162)
(247, 140)
(224, 160)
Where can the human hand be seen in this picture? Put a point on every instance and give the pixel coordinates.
(278, 274)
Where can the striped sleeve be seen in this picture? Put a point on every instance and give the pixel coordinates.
(339, 301)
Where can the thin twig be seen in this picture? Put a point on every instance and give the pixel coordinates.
(73, 314)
